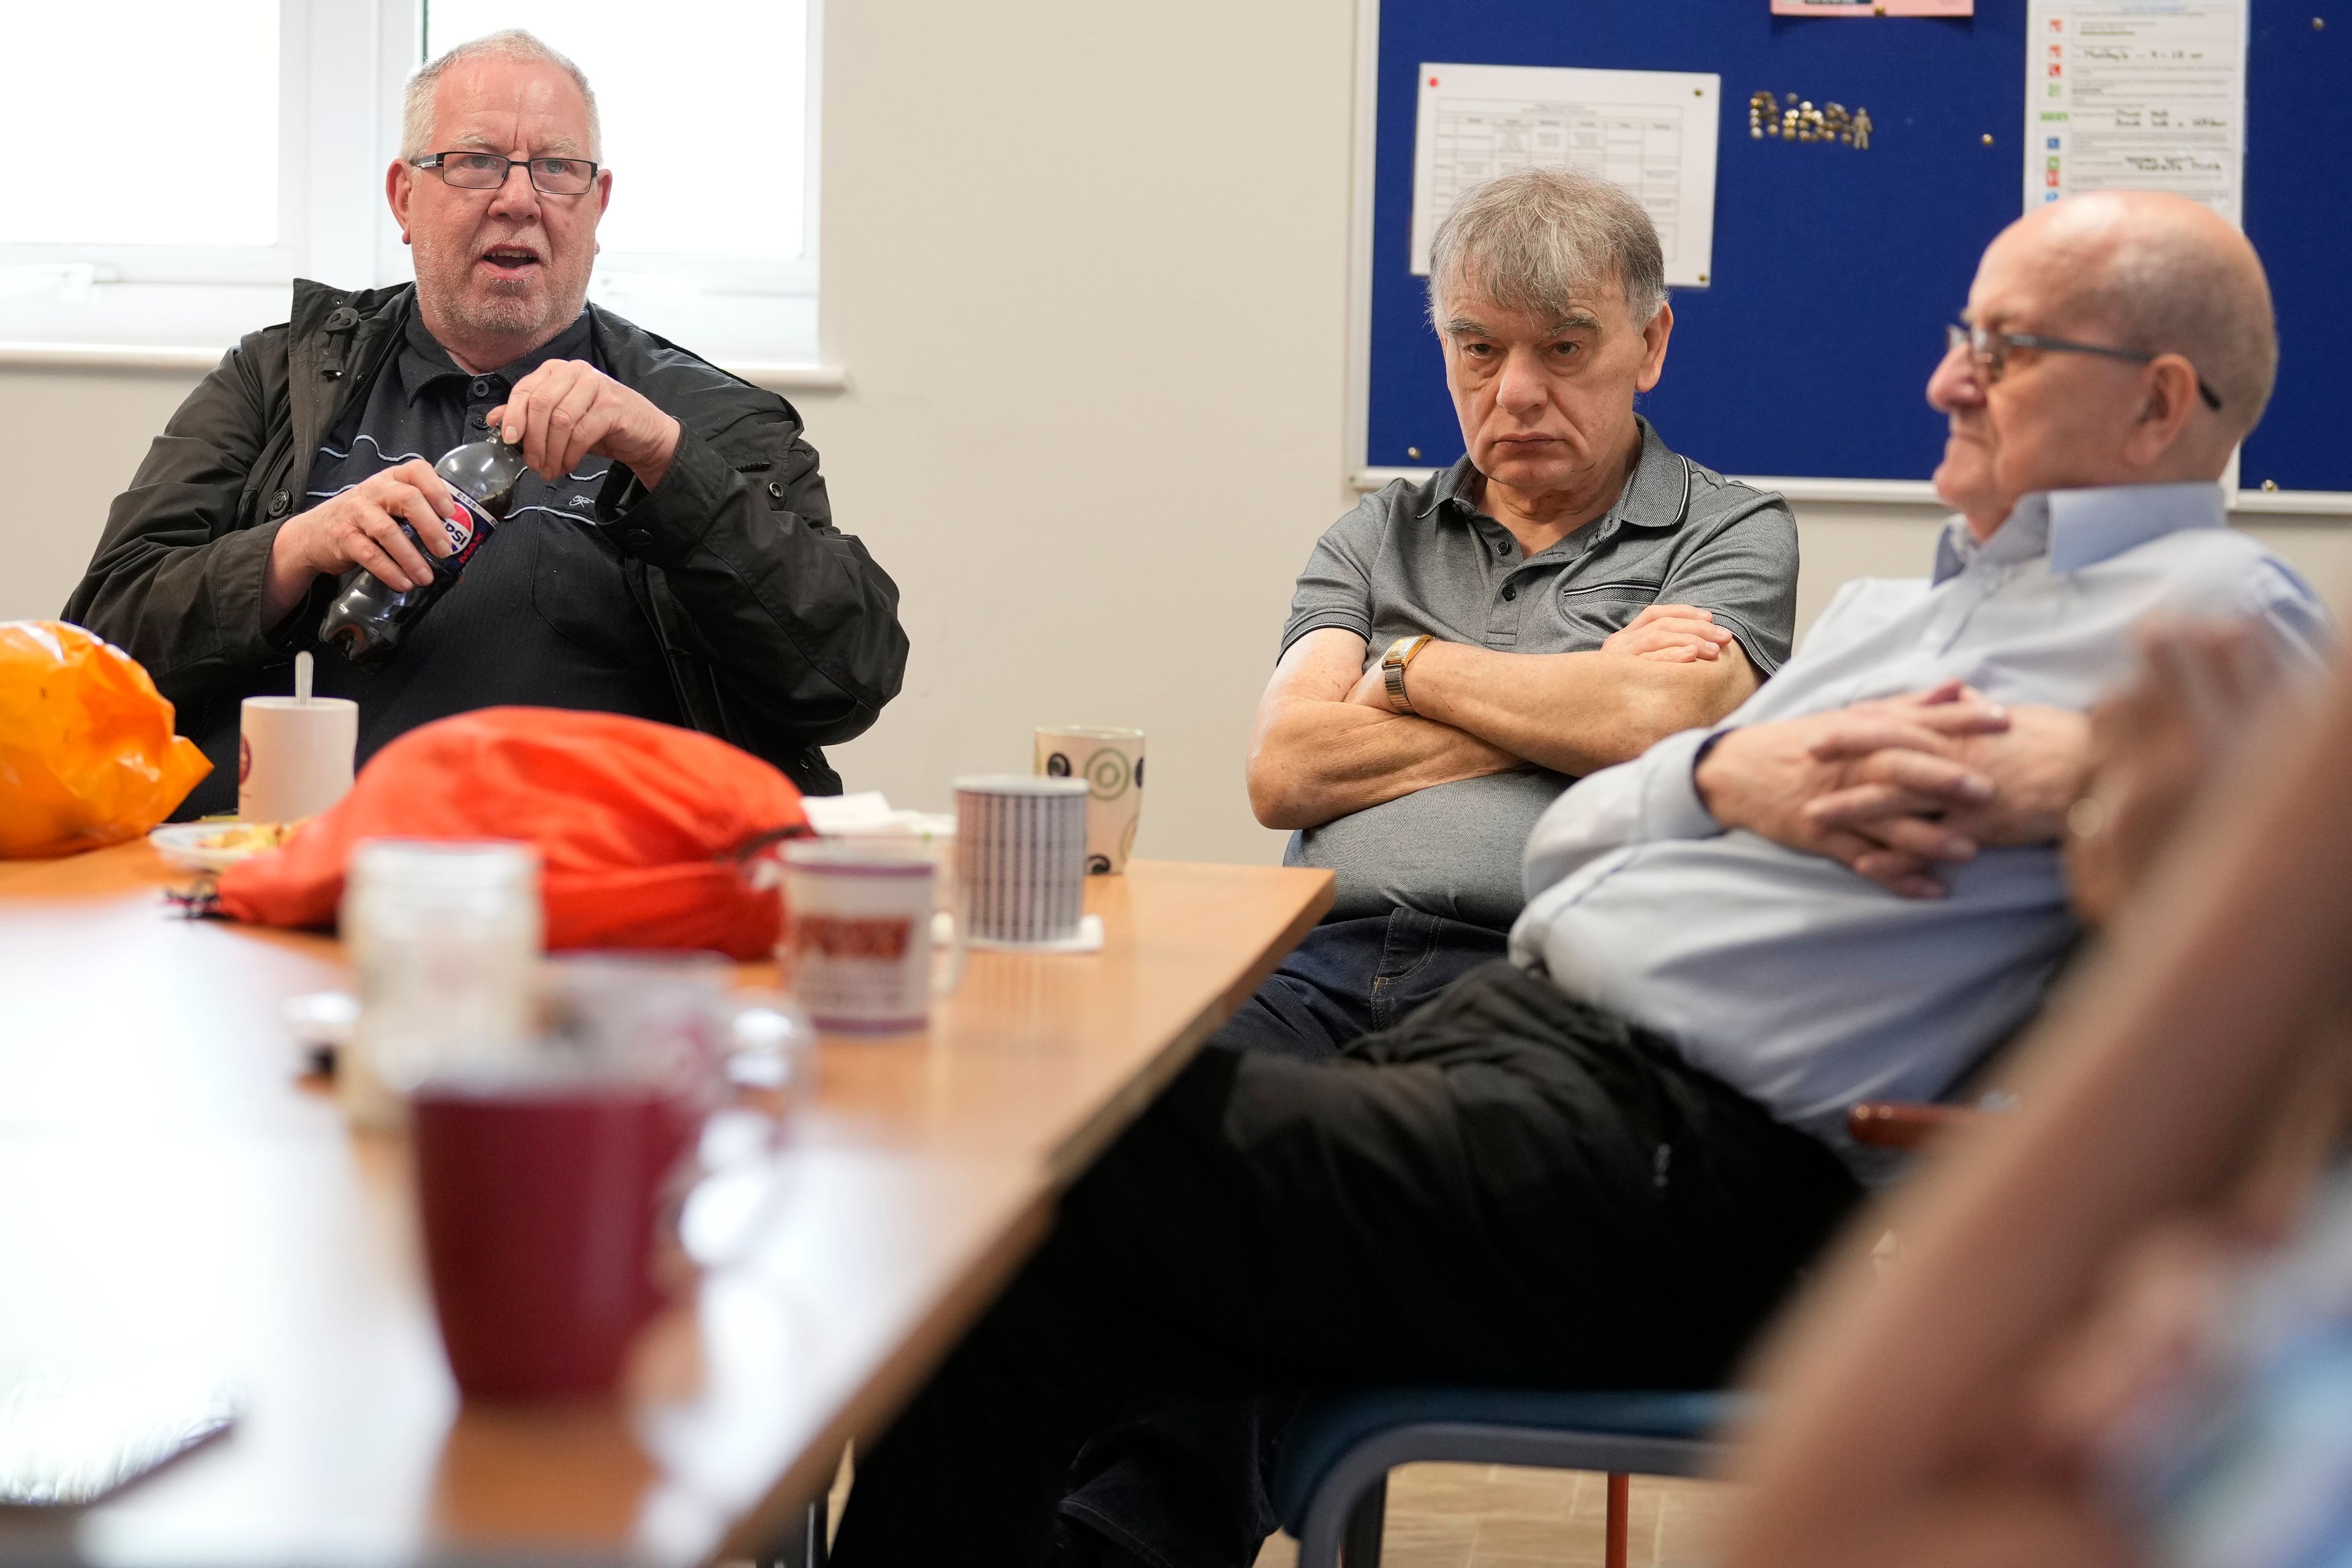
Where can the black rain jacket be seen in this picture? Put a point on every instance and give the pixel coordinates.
(779, 632)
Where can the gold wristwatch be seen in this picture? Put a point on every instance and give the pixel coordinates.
(1401, 654)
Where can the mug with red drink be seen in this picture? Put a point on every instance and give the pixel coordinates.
(549, 1180)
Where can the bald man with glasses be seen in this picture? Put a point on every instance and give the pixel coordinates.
(1600, 1163)
(672, 556)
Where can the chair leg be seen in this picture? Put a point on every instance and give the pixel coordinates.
(1361, 1548)
(1621, 1492)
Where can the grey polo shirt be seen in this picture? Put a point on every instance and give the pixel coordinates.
(1423, 558)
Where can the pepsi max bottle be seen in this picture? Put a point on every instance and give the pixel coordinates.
(368, 617)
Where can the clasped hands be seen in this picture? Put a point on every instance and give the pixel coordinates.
(1668, 634)
(1898, 788)
(562, 412)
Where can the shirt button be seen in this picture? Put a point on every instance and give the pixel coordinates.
(1501, 550)
(481, 422)
(636, 539)
(1510, 589)
(482, 387)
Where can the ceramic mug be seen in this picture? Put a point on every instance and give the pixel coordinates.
(1110, 761)
(1021, 851)
(861, 927)
(294, 755)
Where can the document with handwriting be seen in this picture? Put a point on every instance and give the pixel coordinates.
(2136, 95)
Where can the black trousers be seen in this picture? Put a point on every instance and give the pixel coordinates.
(1509, 1187)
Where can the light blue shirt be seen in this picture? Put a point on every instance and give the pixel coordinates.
(1785, 975)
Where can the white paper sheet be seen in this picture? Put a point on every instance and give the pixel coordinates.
(2136, 95)
(1652, 133)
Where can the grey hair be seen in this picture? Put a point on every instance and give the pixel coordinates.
(1533, 239)
(514, 43)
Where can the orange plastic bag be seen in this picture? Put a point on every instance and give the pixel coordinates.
(642, 828)
(86, 753)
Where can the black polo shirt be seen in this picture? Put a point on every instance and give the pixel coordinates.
(542, 615)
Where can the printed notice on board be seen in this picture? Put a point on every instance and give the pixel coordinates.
(1652, 133)
(2136, 95)
(1874, 8)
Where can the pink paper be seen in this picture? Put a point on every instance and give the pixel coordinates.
(1874, 8)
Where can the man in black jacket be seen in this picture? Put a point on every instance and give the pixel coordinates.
(671, 557)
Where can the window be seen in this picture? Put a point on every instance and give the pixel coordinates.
(243, 142)
(706, 130)
(84, 178)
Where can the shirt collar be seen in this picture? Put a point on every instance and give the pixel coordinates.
(422, 361)
(2080, 528)
(1656, 494)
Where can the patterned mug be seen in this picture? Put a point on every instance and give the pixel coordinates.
(1111, 762)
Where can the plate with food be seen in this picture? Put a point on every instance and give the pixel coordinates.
(217, 844)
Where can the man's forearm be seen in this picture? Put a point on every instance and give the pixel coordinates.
(286, 577)
(1573, 712)
(1312, 761)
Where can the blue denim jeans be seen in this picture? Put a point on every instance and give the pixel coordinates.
(1356, 977)
(1189, 1488)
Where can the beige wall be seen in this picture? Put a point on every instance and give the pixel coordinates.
(1085, 266)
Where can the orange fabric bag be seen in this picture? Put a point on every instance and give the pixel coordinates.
(642, 828)
(86, 753)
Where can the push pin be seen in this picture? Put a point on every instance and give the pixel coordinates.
(1987, 138)
(1413, 451)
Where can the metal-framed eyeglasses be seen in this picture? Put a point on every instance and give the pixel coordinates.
(1990, 350)
(487, 172)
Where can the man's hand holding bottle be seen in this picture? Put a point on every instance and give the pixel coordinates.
(362, 527)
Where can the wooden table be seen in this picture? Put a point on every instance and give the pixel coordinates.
(169, 1191)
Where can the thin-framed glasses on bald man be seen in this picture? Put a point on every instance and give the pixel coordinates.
(487, 172)
(1990, 350)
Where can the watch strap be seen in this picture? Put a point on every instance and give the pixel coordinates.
(1394, 663)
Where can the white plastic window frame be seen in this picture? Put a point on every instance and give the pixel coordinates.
(181, 306)
(166, 303)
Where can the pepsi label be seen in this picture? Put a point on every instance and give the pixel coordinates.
(465, 527)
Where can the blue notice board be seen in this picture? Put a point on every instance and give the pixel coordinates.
(1834, 270)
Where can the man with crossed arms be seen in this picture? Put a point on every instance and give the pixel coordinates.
(1459, 650)
(1601, 1165)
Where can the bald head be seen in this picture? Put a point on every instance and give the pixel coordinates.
(2174, 290)
(2163, 275)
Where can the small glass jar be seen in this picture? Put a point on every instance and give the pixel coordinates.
(445, 940)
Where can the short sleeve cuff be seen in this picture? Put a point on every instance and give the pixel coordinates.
(1671, 806)
(1751, 643)
(1344, 620)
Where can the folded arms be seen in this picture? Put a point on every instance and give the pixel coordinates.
(1327, 742)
